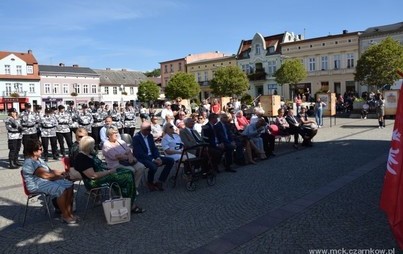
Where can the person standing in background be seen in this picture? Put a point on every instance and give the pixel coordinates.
(63, 130)
(380, 110)
(48, 124)
(28, 121)
(319, 105)
(14, 135)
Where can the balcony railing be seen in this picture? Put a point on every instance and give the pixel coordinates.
(14, 94)
(258, 75)
(204, 83)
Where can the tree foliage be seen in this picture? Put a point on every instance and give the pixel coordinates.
(292, 71)
(182, 85)
(148, 91)
(153, 73)
(378, 64)
(229, 81)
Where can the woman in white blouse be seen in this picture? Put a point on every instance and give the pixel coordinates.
(172, 144)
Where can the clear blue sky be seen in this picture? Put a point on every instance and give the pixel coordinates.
(138, 34)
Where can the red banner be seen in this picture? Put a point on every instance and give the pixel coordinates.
(392, 192)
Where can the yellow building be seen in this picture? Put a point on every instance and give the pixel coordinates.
(330, 62)
(203, 71)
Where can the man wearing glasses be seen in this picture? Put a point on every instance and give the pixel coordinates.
(147, 153)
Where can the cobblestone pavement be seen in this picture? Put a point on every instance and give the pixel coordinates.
(321, 197)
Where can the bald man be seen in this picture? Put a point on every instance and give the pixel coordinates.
(146, 152)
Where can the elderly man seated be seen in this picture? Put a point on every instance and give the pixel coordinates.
(156, 129)
(252, 132)
(147, 153)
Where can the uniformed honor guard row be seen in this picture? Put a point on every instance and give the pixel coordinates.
(56, 126)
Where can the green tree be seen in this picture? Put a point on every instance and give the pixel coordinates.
(182, 85)
(153, 73)
(378, 64)
(229, 81)
(292, 71)
(148, 91)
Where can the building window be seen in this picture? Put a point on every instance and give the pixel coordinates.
(19, 69)
(165, 68)
(47, 88)
(199, 77)
(115, 90)
(85, 88)
(65, 88)
(257, 49)
(171, 67)
(30, 69)
(93, 89)
(205, 76)
(271, 49)
(336, 62)
(77, 88)
(350, 60)
(272, 89)
(7, 69)
(131, 90)
(8, 89)
(180, 67)
(18, 87)
(272, 68)
(324, 63)
(312, 64)
(32, 88)
(106, 89)
(56, 88)
(324, 86)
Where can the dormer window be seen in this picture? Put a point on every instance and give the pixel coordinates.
(257, 49)
(30, 69)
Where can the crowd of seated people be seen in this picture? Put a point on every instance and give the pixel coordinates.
(231, 137)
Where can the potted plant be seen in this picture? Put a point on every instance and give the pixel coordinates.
(15, 95)
(124, 93)
(73, 94)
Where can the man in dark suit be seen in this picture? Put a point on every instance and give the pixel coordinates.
(225, 141)
(210, 137)
(146, 152)
(295, 126)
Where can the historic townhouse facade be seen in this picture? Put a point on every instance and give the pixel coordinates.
(62, 85)
(119, 86)
(330, 62)
(374, 35)
(19, 80)
(170, 67)
(260, 57)
(203, 71)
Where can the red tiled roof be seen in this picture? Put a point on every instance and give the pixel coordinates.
(26, 57)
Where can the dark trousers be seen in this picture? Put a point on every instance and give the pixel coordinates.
(61, 137)
(14, 145)
(53, 144)
(130, 131)
(95, 134)
(28, 138)
(215, 156)
(268, 142)
(294, 131)
(152, 168)
(228, 153)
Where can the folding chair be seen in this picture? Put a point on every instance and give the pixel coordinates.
(31, 195)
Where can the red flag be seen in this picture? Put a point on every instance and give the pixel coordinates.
(392, 192)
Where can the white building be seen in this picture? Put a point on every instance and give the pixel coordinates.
(19, 80)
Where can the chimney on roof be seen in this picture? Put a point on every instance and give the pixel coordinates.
(345, 31)
(75, 65)
(29, 51)
(61, 64)
(108, 69)
(124, 70)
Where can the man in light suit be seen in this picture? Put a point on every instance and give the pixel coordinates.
(146, 152)
(189, 136)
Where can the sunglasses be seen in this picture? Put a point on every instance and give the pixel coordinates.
(80, 136)
(171, 127)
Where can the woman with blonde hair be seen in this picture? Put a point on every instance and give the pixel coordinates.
(95, 173)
